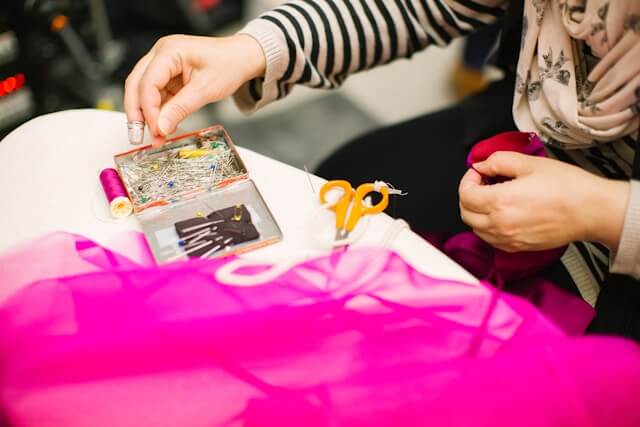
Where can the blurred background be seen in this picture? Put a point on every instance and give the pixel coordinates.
(62, 54)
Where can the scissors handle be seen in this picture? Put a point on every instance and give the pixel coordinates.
(342, 205)
(359, 208)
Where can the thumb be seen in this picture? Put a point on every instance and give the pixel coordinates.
(187, 101)
(505, 163)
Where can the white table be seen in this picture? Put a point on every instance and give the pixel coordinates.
(49, 182)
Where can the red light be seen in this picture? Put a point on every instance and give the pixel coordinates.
(19, 80)
(204, 5)
(11, 84)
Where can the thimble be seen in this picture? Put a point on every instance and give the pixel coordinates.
(136, 132)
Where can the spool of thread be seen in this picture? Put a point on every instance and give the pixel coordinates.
(113, 187)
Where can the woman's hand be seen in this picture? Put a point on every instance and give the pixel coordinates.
(180, 74)
(547, 204)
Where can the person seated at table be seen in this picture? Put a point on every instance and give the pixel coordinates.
(572, 75)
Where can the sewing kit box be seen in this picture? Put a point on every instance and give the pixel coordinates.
(194, 197)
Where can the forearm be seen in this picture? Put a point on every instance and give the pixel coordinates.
(603, 211)
(612, 215)
(625, 247)
(318, 43)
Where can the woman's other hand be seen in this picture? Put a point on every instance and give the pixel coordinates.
(546, 204)
(180, 74)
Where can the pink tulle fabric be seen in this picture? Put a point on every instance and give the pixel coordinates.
(89, 337)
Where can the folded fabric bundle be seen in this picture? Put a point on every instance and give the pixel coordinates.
(516, 271)
(503, 267)
(351, 339)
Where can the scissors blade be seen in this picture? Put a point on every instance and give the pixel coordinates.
(341, 234)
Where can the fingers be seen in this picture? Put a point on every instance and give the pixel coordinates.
(170, 90)
(160, 70)
(473, 195)
(475, 220)
(488, 237)
(470, 178)
(502, 244)
(186, 101)
(131, 99)
(505, 163)
(174, 85)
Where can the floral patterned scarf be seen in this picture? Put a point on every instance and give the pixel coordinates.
(578, 75)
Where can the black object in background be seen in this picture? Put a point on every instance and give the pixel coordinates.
(200, 17)
(77, 53)
(16, 96)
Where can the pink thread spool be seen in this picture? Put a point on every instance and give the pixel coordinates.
(119, 202)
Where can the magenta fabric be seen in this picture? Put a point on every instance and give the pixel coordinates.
(518, 272)
(358, 338)
(506, 267)
(520, 142)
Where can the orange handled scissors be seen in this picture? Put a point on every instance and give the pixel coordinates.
(352, 202)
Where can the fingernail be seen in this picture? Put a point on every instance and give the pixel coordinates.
(163, 126)
(157, 142)
(478, 168)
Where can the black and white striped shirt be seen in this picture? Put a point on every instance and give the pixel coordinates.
(319, 43)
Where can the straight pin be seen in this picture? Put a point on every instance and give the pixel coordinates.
(210, 252)
(197, 239)
(206, 224)
(204, 245)
(191, 250)
(200, 237)
(191, 236)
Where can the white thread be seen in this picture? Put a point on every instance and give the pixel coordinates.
(121, 207)
(313, 190)
(227, 273)
(377, 186)
(101, 210)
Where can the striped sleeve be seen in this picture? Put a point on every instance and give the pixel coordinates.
(318, 43)
(626, 260)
